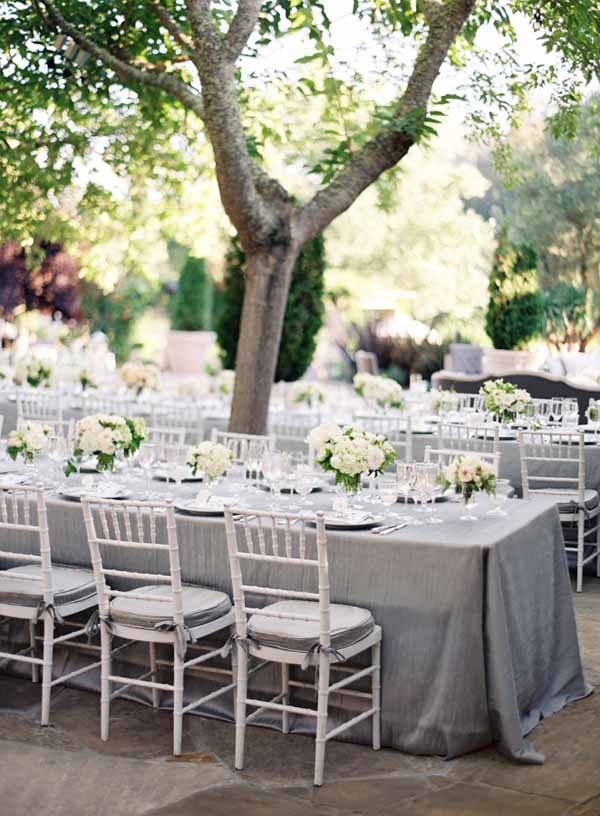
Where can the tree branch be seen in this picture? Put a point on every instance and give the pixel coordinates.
(171, 25)
(241, 28)
(390, 145)
(126, 71)
(200, 17)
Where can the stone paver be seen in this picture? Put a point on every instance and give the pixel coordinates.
(73, 773)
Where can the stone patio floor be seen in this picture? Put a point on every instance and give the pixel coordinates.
(65, 770)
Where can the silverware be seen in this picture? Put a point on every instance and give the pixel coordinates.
(246, 518)
(394, 528)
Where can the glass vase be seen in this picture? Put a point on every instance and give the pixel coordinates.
(468, 515)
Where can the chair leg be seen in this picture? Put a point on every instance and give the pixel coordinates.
(322, 712)
(152, 655)
(597, 521)
(376, 695)
(240, 713)
(105, 670)
(177, 702)
(580, 537)
(285, 690)
(35, 669)
(47, 667)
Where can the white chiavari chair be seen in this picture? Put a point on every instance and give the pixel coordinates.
(111, 404)
(159, 610)
(39, 591)
(165, 438)
(1, 423)
(39, 406)
(470, 403)
(291, 429)
(474, 438)
(398, 430)
(553, 464)
(240, 444)
(444, 456)
(299, 629)
(180, 415)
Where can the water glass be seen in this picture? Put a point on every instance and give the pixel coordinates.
(146, 458)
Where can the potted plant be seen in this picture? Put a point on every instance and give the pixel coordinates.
(190, 339)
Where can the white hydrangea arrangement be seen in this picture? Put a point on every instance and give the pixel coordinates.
(32, 371)
(30, 439)
(504, 400)
(382, 391)
(467, 475)
(210, 458)
(140, 377)
(307, 393)
(443, 401)
(350, 452)
(103, 436)
(223, 383)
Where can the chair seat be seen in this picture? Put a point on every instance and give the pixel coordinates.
(349, 624)
(200, 606)
(69, 585)
(568, 500)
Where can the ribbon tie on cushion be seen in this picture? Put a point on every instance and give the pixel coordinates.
(244, 642)
(44, 607)
(92, 627)
(182, 633)
(316, 649)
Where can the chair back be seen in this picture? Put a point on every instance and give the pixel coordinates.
(291, 429)
(243, 446)
(477, 438)
(23, 510)
(142, 527)
(39, 406)
(397, 429)
(165, 438)
(544, 453)
(271, 540)
(170, 414)
(469, 403)
(109, 404)
(444, 456)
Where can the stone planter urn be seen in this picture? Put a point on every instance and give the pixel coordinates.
(187, 351)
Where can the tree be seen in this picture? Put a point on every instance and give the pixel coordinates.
(515, 311)
(172, 56)
(303, 313)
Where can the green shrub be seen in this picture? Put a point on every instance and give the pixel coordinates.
(303, 314)
(191, 305)
(115, 313)
(515, 313)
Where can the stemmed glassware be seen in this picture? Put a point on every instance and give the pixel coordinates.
(503, 488)
(253, 455)
(58, 452)
(388, 492)
(272, 469)
(426, 474)
(177, 467)
(305, 481)
(405, 478)
(146, 458)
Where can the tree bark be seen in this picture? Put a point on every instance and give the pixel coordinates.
(268, 273)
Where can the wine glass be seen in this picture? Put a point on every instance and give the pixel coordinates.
(501, 494)
(252, 456)
(425, 486)
(146, 458)
(177, 467)
(272, 471)
(305, 481)
(58, 453)
(388, 492)
(570, 411)
(405, 478)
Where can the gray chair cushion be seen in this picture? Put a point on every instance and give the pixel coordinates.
(349, 624)
(69, 585)
(200, 606)
(568, 500)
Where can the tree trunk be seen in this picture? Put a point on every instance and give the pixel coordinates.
(268, 274)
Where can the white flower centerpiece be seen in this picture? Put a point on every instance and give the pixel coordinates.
(34, 372)
(105, 436)
(467, 475)
(443, 401)
(86, 379)
(191, 388)
(211, 459)
(140, 377)
(222, 383)
(382, 392)
(28, 441)
(306, 393)
(505, 401)
(350, 453)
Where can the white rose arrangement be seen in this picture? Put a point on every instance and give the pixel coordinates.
(103, 436)
(505, 401)
(210, 458)
(383, 391)
(349, 453)
(30, 439)
(443, 401)
(467, 475)
(140, 377)
(32, 371)
(307, 393)
(223, 383)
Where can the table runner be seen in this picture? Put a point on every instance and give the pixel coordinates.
(479, 636)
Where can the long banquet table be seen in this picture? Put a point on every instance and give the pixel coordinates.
(479, 635)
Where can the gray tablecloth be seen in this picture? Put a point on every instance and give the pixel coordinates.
(479, 636)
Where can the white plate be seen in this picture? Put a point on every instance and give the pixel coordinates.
(355, 520)
(10, 479)
(161, 476)
(75, 493)
(216, 507)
